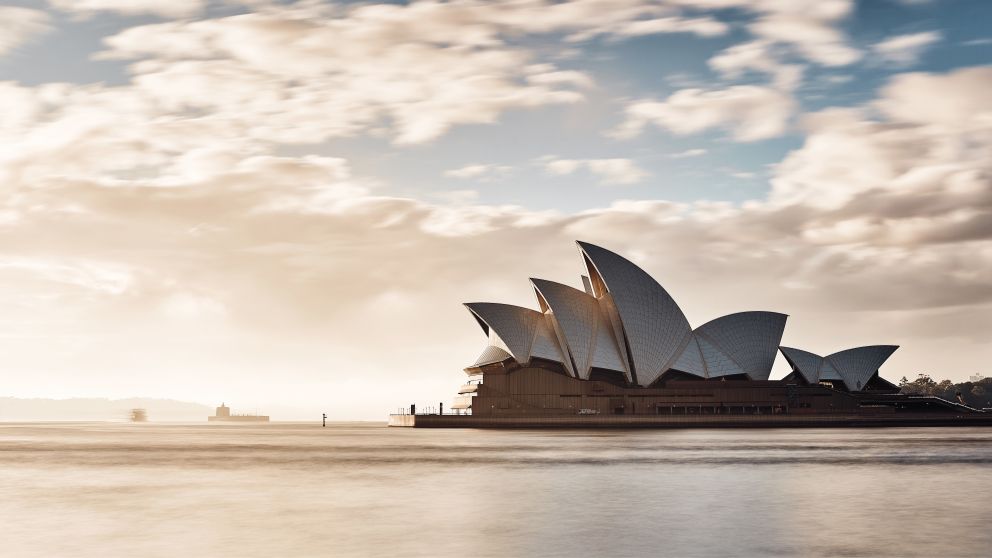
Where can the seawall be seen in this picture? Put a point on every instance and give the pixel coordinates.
(746, 421)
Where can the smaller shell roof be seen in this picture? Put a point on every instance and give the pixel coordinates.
(750, 339)
(858, 365)
(854, 367)
(513, 325)
(576, 315)
(521, 332)
(806, 363)
(491, 355)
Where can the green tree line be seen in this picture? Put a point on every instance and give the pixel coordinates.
(974, 394)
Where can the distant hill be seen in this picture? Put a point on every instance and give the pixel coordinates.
(100, 409)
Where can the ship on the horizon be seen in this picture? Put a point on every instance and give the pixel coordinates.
(223, 414)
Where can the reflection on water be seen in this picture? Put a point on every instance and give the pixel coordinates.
(365, 490)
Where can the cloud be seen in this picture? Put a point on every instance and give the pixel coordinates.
(749, 112)
(702, 26)
(480, 171)
(809, 28)
(418, 67)
(169, 8)
(932, 156)
(978, 42)
(20, 25)
(414, 71)
(688, 153)
(545, 74)
(583, 20)
(905, 50)
(910, 98)
(756, 56)
(610, 171)
(785, 31)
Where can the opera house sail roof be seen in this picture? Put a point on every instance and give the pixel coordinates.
(626, 324)
(853, 367)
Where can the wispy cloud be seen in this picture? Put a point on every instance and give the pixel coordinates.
(19, 25)
(757, 56)
(610, 171)
(749, 112)
(978, 42)
(688, 153)
(479, 171)
(905, 49)
(169, 8)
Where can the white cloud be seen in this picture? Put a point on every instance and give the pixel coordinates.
(610, 171)
(688, 153)
(558, 77)
(481, 171)
(586, 19)
(749, 112)
(964, 106)
(757, 56)
(978, 42)
(164, 8)
(920, 150)
(304, 77)
(416, 70)
(905, 50)
(702, 26)
(20, 25)
(809, 28)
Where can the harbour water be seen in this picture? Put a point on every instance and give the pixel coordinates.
(360, 489)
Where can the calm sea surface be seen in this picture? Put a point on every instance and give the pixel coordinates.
(289, 490)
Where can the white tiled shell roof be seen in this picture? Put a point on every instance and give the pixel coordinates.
(586, 332)
(653, 324)
(805, 362)
(852, 366)
(858, 365)
(490, 355)
(750, 339)
(575, 312)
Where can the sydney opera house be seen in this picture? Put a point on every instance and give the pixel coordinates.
(621, 352)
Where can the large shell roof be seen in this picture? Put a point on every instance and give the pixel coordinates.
(654, 326)
(854, 366)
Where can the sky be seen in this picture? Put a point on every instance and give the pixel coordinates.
(283, 204)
